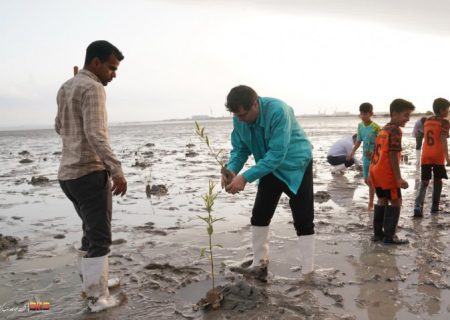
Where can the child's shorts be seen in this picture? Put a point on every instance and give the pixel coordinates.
(391, 194)
(439, 172)
(366, 165)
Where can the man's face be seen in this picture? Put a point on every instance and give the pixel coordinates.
(444, 113)
(248, 116)
(106, 71)
(401, 118)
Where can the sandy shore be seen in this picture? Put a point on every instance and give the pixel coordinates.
(157, 240)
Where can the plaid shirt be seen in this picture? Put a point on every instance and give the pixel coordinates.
(81, 122)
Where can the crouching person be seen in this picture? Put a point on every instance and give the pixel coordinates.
(267, 129)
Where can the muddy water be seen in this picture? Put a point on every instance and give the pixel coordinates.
(158, 239)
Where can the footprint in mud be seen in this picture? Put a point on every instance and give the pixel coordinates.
(10, 246)
(169, 277)
(149, 227)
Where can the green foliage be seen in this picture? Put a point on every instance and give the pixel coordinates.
(204, 137)
(208, 200)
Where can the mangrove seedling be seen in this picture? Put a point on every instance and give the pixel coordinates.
(213, 296)
(216, 154)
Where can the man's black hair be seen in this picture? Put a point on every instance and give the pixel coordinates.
(101, 49)
(240, 96)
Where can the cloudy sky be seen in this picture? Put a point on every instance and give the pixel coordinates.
(183, 56)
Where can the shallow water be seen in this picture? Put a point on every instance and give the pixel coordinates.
(356, 278)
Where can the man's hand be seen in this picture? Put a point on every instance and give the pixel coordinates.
(237, 184)
(227, 177)
(119, 186)
(402, 183)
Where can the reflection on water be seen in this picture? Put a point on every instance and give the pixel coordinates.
(429, 259)
(379, 274)
(341, 190)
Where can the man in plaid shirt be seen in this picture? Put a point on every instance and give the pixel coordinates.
(87, 164)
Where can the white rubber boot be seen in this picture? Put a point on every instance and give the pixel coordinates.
(95, 284)
(339, 169)
(306, 247)
(112, 283)
(417, 157)
(260, 242)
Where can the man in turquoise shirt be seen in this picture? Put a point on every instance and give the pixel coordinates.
(267, 129)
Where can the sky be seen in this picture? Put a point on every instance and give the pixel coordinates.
(183, 56)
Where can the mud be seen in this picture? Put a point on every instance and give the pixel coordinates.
(157, 241)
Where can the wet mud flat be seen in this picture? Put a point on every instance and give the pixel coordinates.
(157, 237)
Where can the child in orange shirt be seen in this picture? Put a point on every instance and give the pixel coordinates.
(384, 174)
(434, 156)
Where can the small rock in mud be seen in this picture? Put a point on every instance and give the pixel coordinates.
(147, 153)
(24, 153)
(26, 160)
(156, 190)
(118, 241)
(322, 196)
(7, 242)
(191, 154)
(150, 144)
(59, 236)
(141, 165)
(39, 180)
(190, 145)
(57, 153)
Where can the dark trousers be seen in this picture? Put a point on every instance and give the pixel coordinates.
(419, 140)
(302, 203)
(92, 199)
(334, 161)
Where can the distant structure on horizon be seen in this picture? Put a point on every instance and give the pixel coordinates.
(341, 113)
(200, 117)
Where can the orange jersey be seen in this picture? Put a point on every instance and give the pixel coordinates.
(381, 173)
(433, 150)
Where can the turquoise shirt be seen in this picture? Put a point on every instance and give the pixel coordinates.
(277, 142)
(367, 135)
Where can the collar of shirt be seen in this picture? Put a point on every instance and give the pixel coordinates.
(89, 74)
(260, 120)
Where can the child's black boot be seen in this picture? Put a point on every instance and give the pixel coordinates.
(391, 217)
(378, 218)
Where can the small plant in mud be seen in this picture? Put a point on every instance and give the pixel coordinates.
(213, 297)
(204, 137)
(217, 155)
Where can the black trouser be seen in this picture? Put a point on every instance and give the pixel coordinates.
(419, 140)
(302, 203)
(92, 199)
(335, 161)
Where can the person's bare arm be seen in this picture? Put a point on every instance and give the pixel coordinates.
(393, 158)
(355, 147)
(445, 145)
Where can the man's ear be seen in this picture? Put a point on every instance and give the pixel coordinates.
(95, 62)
